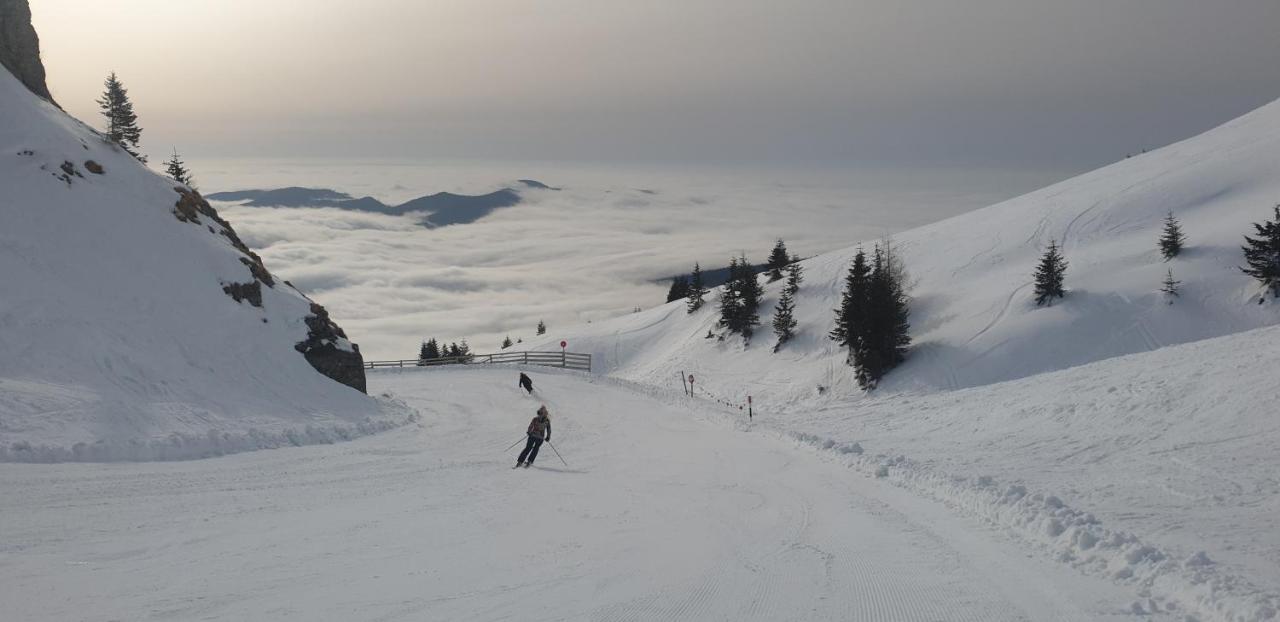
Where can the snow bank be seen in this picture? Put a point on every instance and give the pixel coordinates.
(213, 443)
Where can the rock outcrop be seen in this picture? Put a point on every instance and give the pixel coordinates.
(20, 46)
(329, 351)
(326, 347)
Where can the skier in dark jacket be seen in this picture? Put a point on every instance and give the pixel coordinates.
(539, 431)
(526, 382)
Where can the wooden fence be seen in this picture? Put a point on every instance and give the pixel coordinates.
(567, 360)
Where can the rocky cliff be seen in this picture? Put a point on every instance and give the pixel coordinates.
(20, 47)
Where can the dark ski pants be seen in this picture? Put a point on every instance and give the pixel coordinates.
(530, 450)
(528, 386)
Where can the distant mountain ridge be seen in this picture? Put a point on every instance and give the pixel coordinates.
(442, 208)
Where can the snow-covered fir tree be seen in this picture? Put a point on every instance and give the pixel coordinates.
(679, 288)
(749, 294)
(506, 343)
(176, 169)
(1170, 286)
(1263, 255)
(697, 289)
(784, 322)
(542, 327)
(740, 299)
(853, 305)
(795, 274)
(730, 304)
(122, 123)
(1049, 275)
(1171, 239)
(778, 260)
(885, 332)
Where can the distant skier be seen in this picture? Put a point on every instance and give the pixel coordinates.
(526, 382)
(539, 431)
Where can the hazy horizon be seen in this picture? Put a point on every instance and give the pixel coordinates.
(990, 83)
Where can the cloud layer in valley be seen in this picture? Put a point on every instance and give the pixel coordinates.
(589, 251)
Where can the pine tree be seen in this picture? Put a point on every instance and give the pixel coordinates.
(464, 351)
(885, 331)
(432, 349)
(1263, 255)
(422, 354)
(778, 261)
(542, 328)
(784, 323)
(679, 288)
(1170, 287)
(730, 304)
(177, 169)
(795, 275)
(851, 315)
(1172, 240)
(122, 123)
(749, 294)
(506, 343)
(697, 290)
(453, 350)
(1049, 275)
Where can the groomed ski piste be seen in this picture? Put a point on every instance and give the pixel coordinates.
(666, 511)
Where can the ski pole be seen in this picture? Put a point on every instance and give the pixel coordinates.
(553, 448)
(512, 445)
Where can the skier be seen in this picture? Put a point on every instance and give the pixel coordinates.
(539, 430)
(526, 382)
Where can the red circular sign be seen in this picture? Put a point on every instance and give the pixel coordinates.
(690, 377)
(564, 344)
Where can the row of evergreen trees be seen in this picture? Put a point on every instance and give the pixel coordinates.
(693, 289)
(123, 130)
(1261, 255)
(432, 349)
(1051, 272)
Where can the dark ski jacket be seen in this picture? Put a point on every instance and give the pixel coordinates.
(540, 427)
(525, 382)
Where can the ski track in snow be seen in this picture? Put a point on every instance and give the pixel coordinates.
(665, 513)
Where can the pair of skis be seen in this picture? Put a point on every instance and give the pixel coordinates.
(553, 448)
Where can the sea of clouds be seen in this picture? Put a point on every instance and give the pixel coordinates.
(596, 248)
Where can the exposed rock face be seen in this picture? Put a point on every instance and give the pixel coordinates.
(20, 47)
(326, 347)
(329, 351)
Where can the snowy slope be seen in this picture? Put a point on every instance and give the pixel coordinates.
(1109, 417)
(973, 318)
(661, 514)
(114, 325)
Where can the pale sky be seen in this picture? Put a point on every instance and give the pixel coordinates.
(1064, 83)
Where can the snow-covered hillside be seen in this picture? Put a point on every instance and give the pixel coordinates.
(1111, 417)
(973, 318)
(119, 334)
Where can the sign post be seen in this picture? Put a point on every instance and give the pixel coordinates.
(749, 415)
(563, 358)
(690, 385)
